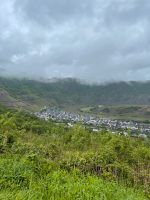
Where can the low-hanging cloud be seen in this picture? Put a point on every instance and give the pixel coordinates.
(94, 40)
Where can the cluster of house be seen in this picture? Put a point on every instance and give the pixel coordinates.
(95, 123)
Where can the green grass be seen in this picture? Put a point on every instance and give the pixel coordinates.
(41, 160)
(63, 185)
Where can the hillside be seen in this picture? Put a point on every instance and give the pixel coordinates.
(69, 92)
(43, 160)
(126, 112)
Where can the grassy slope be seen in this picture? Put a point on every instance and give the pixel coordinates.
(26, 174)
(61, 185)
(41, 160)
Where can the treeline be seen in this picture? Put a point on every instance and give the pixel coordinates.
(78, 94)
(33, 151)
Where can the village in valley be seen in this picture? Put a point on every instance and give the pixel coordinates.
(96, 124)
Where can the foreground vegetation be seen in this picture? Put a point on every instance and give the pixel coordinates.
(45, 160)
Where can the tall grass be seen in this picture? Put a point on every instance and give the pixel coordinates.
(61, 185)
(42, 161)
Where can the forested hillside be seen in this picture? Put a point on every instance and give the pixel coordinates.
(69, 92)
(44, 160)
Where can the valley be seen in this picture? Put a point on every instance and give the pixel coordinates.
(95, 123)
(58, 139)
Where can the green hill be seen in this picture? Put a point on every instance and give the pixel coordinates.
(69, 92)
(46, 160)
(42, 160)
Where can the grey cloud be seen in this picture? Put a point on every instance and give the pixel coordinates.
(93, 40)
(122, 12)
(57, 11)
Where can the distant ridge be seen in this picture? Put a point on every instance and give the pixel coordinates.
(70, 92)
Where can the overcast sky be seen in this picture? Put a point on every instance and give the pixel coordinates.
(94, 40)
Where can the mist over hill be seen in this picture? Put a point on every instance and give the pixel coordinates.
(70, 92)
